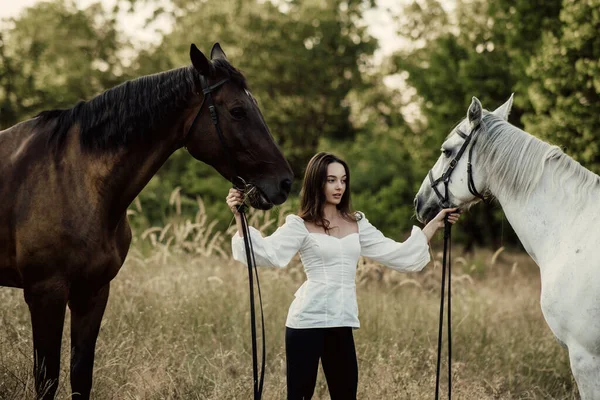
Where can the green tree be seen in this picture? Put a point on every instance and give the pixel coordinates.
(384, 171)
(54, 55)
(301, 59)
(479, 50)
(566, 84)
(483, 53)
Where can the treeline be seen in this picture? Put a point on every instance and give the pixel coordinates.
(311, 66)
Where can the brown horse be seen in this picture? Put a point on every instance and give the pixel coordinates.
(68, 176)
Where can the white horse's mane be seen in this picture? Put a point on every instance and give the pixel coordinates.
(514, 161)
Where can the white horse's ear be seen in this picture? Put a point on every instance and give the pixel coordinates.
(504, 110)
(474, 113)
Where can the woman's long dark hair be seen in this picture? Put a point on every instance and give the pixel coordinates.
(312, 195)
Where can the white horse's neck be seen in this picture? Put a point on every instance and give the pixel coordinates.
(553, 218)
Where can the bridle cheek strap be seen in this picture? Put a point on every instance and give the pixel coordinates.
(207, 98)
(470, 181)
(445, 178)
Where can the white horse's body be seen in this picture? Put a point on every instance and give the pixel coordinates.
(553, 204)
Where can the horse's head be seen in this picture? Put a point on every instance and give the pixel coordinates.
(244, 146)
(452, 182)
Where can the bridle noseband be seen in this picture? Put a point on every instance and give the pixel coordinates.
(445, 178)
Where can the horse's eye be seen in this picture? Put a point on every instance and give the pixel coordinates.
(238, 113)
(447, 152)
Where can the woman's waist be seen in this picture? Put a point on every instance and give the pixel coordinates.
(327, 281)
(317, 288)
(331, 275)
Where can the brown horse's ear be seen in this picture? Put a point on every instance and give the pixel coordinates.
(199, 61)
(217, 52)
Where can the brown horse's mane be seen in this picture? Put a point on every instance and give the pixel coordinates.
(126, 113)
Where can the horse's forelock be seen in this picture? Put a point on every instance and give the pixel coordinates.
(223, 67)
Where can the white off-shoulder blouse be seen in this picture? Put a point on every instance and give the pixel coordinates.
(328, 297)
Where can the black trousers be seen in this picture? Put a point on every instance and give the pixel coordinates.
(335, 348)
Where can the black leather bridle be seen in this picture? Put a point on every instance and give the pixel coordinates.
(445, 178)
(447, 258)
(238, 183)
(207, 98)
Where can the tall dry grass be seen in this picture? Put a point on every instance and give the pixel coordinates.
(177, 326)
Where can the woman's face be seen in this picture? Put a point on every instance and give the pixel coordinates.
(335, 186)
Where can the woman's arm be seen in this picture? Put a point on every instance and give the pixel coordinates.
(438, 222)
(276, 250)
(410, 255)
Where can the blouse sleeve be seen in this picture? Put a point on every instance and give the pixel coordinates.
(411, 255)
(276, 250)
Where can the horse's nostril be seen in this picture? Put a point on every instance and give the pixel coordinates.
(416, 203)
(286, 185)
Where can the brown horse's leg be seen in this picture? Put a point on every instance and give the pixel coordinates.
(47, 305)
(87, 310)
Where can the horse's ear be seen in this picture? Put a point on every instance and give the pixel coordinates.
(217, 52)
(474, 113)
(199, 61)
(505, 108)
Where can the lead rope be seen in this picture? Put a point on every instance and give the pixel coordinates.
(258, 384)
(445, 178)
(447, 260)
(239, 184)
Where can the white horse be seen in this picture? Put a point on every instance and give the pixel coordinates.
(553, 204)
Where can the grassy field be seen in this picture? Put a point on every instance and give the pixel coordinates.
(177, 327)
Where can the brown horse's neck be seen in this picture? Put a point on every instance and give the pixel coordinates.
(113, 144)
(126, 170)
(132, 169)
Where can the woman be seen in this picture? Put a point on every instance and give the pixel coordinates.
(330, 239)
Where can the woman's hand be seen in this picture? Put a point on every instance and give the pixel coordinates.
(438, 221)
(234, 200)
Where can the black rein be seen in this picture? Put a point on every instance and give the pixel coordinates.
(447, 258)
(239, 184)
